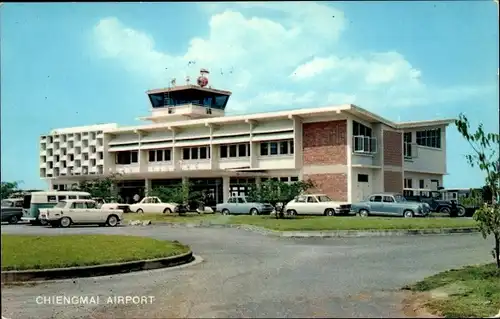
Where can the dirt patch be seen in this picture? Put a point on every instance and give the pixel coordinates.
(414, 305)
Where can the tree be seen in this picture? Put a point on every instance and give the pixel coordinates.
(100, 187)
(182, 194)
(274, 192)
(8, 188)
(486, 158)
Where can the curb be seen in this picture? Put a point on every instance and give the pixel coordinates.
(17, 276)
(326, 234)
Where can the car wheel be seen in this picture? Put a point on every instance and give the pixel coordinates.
(363, 213)
(291, 212)
(330, 212)
(254, 212)
(65, 222)
(13, 220)
(167, 211)
(112, 221)
(408, 214)
(225, 211)
(140, 211)
(461, 211)
(445, 210)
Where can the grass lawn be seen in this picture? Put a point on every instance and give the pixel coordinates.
(473, 291)
(172, 218)
(350, 223)
(43, 252)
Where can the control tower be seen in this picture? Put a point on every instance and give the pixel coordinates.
(187, 102)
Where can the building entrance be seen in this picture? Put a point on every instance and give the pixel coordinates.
(128, 189)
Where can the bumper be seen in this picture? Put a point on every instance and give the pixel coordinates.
(28, 218)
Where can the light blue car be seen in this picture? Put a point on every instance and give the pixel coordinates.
(389, 204)
(239, 205)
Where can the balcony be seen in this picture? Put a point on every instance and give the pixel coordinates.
(195, 165)
(160, 167)
(127, 169)
(233, 162)
(364, 145)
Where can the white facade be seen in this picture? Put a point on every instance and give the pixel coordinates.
(188, 141)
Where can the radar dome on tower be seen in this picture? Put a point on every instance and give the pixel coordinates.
(202, 79)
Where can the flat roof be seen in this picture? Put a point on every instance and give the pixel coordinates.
(187, 87)
(303, 112)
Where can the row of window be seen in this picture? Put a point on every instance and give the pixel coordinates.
(276, 148)
(408, 183)
(429, 138)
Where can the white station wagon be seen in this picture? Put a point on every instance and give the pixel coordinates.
(81, 211)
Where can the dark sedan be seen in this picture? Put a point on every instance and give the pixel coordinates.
(12, 210)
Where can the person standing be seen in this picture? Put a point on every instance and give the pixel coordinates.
(136, 198)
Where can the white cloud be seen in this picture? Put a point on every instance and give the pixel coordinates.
(283, 55)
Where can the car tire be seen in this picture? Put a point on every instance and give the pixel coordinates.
(167, 211)
(225, 211)
(254, 212)
(140, 211)
(445, 210)
(461, 211)
(408, 214)
(112, 221)
(330, 212)
(363, 213)
(13, 220)
(291, 212)
(65, 222)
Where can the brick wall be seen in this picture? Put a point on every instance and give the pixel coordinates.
(333, 185)
(325, 143)
(393, 182)
(393, 148)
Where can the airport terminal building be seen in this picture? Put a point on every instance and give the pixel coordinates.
(348, 152)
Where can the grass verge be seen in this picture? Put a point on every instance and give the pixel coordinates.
(350, 223)
(469, 292)
(174, 218)
(44, 252)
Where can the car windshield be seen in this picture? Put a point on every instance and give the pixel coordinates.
(7, 203)
(324, 198)
(61, 204)
(399, 198)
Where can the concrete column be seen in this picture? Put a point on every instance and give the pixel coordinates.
(254, 153)
(214, 156)
(143, 161)
(176, 158)
(147, 187)
(258, 181)
(185, 180)
(225, 188)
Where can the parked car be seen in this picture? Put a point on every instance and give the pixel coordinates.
(316, 204)
(240, 205)
(437, 204)
(81, 211)
(123, 207)
(12, 210)
(389, 204)
(154, 205)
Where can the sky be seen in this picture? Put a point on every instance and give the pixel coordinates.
(72, 64)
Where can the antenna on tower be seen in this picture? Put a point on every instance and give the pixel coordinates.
(166, 95)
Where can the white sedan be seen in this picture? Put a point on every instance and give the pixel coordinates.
(81, 211)
(316, 204)
(154, 205)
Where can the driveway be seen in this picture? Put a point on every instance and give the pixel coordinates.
(249, 275)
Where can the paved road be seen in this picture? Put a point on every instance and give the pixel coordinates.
(249, 275)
